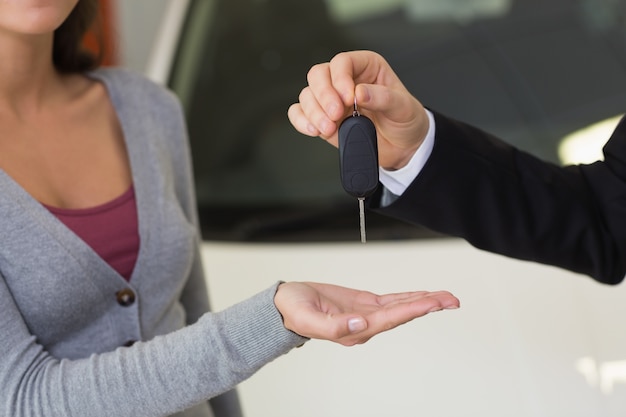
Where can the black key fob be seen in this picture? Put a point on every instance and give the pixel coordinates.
(358, 156)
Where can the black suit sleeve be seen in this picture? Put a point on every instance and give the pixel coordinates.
(506, 201)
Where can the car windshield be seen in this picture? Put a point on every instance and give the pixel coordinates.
(535, 73)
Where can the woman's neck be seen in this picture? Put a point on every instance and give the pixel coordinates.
(28, 79)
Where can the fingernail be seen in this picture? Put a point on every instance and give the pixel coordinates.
(325, 127)
(434, 309)
(356, 325)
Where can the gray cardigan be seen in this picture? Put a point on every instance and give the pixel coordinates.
(66, 315)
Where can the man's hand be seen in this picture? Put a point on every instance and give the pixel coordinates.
(400, 119)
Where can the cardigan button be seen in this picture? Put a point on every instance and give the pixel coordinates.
(125, 297)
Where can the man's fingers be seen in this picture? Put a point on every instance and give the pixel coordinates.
(326, 96)
(350, 68)
(330, 94)
(300, 122)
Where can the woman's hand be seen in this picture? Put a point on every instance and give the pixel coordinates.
(400, 119)
(348, 316)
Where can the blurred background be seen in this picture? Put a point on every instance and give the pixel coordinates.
(530, 340)
(131, 27)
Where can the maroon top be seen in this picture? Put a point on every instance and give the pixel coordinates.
(111, 229)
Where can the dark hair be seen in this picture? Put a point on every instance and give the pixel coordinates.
(68, 53)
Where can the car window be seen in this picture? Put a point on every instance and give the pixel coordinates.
(532, 72)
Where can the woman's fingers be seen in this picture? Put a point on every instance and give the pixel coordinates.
(348, 316)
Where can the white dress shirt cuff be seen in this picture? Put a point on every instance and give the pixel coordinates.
(397, 181)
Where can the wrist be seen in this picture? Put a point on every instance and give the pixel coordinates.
(402, 158)
(397, 180)
(278, 303)
(404, 151)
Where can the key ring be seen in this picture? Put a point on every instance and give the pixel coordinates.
(355, 113)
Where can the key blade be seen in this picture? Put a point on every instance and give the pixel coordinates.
(362, 219)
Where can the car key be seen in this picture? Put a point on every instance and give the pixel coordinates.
(358, 160)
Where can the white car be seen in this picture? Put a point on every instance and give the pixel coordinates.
(529, 340)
